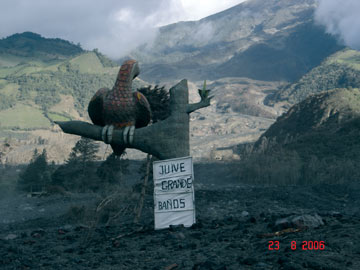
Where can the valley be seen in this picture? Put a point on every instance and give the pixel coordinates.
(246, 60)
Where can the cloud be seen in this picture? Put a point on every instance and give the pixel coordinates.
(196, 10)
(203, 33)
(341, 18)
(115, 27)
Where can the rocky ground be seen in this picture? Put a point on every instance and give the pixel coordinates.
(235, 226)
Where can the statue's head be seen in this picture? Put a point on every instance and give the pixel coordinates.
(130, 67)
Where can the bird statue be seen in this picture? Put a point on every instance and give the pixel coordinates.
(120, 107)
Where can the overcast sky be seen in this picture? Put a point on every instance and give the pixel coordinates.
(117, 26)
(113, 26)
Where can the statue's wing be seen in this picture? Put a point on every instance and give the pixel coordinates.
(142, 110)
(95, 108)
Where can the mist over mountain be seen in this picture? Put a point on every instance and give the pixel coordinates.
(341, 18)
(263, 40)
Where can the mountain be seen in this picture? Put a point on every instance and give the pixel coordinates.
(316, 141)
(32, 45)
(325, 124)
(264, 40)
(244, 53)
(340, 70)
(39, 73)
(45, 80)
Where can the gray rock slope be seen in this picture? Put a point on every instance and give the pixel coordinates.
(264, 40)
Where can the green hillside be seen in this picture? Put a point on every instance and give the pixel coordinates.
(323, 113)
(347, 57)
(30, 45)
(23, 116)
(340, 70)
(80, 77)
(316, 141)
(36, 76)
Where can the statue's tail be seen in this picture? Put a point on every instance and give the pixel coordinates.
(118, 150)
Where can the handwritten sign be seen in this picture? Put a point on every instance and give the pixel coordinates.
(173, 167)
(174, 200)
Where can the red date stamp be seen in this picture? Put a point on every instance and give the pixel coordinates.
(304, 245)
